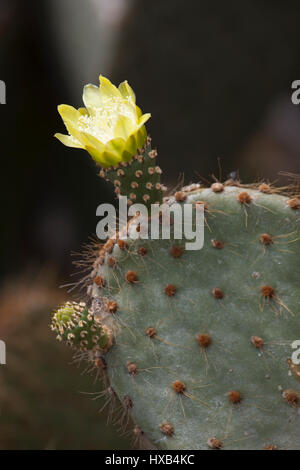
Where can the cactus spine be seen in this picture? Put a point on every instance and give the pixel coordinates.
(202, 339)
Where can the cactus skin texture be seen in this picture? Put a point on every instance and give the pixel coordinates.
(197, 345)
(76, 325)
(202, 338)
(139, 178)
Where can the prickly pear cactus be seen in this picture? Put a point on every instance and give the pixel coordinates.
(198, 343)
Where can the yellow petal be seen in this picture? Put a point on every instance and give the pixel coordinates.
(91, 98)
(91, 141)
(138, 111)
(131, 145)
(141, 136)
(83, 111)
(98, 157)
(107, 89)
(105, 159)
(115, 147)
(111, 157)
(102, 154)
(117, 118)
(70, 117)
(69, 141)
(126, 91)
(126, 156)
(144, 118)
(124, 127)
(68, 113)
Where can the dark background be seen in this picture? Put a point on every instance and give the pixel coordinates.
(216, 77)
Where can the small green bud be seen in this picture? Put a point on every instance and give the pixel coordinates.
(76, 325)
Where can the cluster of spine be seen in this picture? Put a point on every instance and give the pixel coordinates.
(109, 258)
(138, 179)
(76, 325)
(124, 273)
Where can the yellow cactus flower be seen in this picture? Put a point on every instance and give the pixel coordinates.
(110, 127)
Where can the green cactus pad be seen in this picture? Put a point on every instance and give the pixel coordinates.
(76, 325)
(138, 179)
(203, 338)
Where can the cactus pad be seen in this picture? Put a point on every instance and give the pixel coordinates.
(203, 338)
(197, 344)
(76, 325)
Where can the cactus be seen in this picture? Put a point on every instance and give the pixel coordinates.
(200, 341)
(77, 325)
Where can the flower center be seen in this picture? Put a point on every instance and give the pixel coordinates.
(102, 121)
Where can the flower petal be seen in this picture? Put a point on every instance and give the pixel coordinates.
(124, 127)
(138, 111)
(126, 91)
(115, 147)
(141, 136)
(83, 111)
(131, 145)
(111, 127)
(105, 155)
(98, 157)
(91, 98)
(144, 118)
(92, 141)
(70, 117)
(69, 141)
(107, 89)
(68, 113)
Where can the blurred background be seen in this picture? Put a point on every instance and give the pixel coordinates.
(216, 77)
